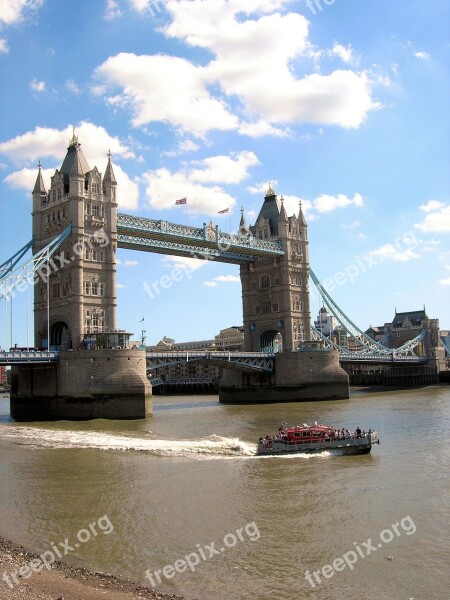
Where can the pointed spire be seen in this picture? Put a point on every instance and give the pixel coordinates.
(301, 216)
(109, 173)
(283, 215)
(39, 186)
(270, 192)
(74, 140)
(243, 227)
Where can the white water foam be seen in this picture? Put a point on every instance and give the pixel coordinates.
(213, 446)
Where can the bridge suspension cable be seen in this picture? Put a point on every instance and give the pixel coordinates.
(10, 281)
(9, 264)
(353, 330)
(368, 345)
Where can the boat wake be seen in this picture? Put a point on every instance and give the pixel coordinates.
(211, 447)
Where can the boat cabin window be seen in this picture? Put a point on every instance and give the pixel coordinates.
(306, 434)
(317, 433)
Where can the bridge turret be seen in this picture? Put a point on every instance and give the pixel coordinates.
(82, 287)
(275, 291)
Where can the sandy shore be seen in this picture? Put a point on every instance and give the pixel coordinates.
(63, 582)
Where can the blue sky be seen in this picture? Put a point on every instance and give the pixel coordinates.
(343, 105)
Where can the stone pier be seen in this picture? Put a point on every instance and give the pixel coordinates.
(85, 384)
(298, 377)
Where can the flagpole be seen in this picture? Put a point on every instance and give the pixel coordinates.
(187, 214)
(229, 218)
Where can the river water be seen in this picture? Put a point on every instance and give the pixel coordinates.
(185, 482)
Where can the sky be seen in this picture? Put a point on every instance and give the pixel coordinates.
(340, 104)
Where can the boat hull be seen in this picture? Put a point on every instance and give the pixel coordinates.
(347, 446)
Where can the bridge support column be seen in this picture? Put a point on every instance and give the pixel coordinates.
(97, 384)
(298, 377)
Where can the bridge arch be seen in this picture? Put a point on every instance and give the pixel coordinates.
(271, 341)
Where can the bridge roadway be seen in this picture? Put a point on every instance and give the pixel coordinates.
(149, 235)
(242, 361)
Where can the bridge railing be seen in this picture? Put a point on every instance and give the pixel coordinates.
(24, 356)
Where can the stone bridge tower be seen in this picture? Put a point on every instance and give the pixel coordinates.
(82, 280)
(275, 292)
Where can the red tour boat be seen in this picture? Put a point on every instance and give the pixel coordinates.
(306, 439)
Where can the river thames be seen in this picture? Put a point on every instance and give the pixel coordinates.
(184, 485)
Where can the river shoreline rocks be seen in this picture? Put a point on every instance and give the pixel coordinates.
(63, 581)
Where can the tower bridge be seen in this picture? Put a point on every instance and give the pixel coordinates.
(76, 233)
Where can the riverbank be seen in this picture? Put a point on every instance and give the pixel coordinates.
(62, 581)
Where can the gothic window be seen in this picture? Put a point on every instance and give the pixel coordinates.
(264, 282)
(98, 255)
(266, 233)
(253, 285)
(59, 194)
(87, 208)
(87, 253)
(96, 188)
(257, 310)
(87, 288)
(277, 280)
(275, 307)
(55, 290)
(63, 213)
(95, 210)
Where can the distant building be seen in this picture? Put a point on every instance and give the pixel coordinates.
(376, 333)
(3, 376)
(231, 339)
(325, 323)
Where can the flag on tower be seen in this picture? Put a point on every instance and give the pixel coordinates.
(141, 320)
(224, 212)
(181, 201)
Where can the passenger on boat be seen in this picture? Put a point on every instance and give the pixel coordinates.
(358, 432)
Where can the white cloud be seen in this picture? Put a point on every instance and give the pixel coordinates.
(191, 109)
(422, 55)
(228, 279)
(184, 262)
(250, 85)
(3, 46)
(120, 286)
(390, 252)
(13, 11)
(431, 206)
(164, 187)
(262, 186)
(343, 52)
(112, 10)
(127, 263)
(261, 128)
(326, 203)
(199, 182)
(291, 205)
(72, 86)
(210, 283)
(26, 178)
(37, 86)
(444, 281)
(437, 219)
(47, 143)
(224, 169)
(139, 5)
